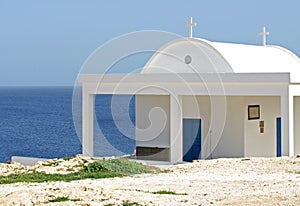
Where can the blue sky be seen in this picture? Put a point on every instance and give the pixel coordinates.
(46, 42)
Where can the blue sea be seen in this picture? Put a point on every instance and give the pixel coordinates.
(38, 122)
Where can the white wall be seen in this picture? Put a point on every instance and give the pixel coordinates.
(153, 121)
(239, 137)
(176, 150)
(297, 125)
(198, 107)
(226, 133)
(231, 141)
(256, 143)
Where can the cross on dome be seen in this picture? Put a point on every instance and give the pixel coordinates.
(191, 24)
(264, 35)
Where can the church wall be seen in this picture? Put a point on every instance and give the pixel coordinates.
(262, 144)
(153, 111)
(198, 107)
(229, 142)
(297, 125)
(239, 137)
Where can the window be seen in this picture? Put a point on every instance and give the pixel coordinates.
(188, 59)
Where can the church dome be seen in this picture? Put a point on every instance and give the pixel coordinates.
(195, 55)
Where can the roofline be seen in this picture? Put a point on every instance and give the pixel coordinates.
(293, 55)
(186, 78)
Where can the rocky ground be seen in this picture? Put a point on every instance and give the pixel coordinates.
(246, 181)
(52, 166)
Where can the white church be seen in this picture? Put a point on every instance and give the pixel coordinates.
(197, 99)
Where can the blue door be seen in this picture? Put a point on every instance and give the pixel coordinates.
(191, 139)
(278, 136)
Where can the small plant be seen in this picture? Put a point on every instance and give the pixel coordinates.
(51, 164)
(70, 170)
(131, 204)
(60, 199)
(63, 199)
(67, 158)
(167, 192)
(95, 167)
(294, 172)
(78, 165)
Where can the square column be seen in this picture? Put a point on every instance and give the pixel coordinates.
(291, 125)
(294, 92)
(87, 122)
(176, 140)
(285, 138)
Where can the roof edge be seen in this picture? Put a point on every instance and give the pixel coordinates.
(186, 77)
(292, 54)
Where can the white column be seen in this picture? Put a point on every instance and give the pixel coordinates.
(176, 142)
(87, 122)
(285, 138)
(294, 92)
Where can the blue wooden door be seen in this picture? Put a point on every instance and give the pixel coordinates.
(191, 139)
(278, 136)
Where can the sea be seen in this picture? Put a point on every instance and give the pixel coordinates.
(39, 122)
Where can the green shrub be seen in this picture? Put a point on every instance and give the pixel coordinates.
(95, 167)
(131, 204)
(63, 199)
(167, 192)
(120, 166)
(100, 169)
(59, 199)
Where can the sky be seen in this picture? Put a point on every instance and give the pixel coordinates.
(45, 43)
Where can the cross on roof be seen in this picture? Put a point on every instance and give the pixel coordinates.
(191, 24)
(264, 35)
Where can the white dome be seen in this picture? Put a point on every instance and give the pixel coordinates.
(202, 56)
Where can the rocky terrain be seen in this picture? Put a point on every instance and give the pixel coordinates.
(240, 181)
(52, 166)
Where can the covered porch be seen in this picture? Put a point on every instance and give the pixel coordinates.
(220, 101)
